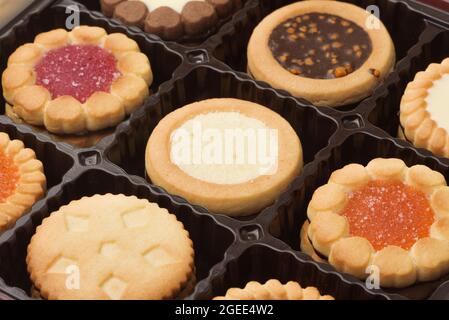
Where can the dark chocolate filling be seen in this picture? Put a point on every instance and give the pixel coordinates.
(320, 46)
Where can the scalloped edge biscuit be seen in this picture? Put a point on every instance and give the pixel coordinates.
(329, 234)
(274, 290)
(31, 185)
(66, 115)
(416, 122)
(194, 19)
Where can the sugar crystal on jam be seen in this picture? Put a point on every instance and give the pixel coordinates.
(77, 71)
(389, 213)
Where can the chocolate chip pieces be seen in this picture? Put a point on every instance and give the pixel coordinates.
(320, 46)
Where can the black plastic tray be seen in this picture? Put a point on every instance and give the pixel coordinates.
(229, 252)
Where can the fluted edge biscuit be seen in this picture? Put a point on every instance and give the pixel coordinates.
(329, 232)
(274, 290)
(66, 115)
(418, 126)
(31, 184)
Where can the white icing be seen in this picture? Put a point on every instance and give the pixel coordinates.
(438, 102)
(176, 5)
(209, 147)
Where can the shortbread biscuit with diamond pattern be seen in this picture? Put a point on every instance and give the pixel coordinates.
(118, 247)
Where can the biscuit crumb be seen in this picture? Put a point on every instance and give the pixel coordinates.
(295, 71)
(375, 72)
(309, 62)
(340, 72)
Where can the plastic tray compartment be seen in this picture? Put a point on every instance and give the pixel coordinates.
(285, 266)
(383, 109)
(229, 252)
(164, 60)
(204, 81)
(210, 238)
(359, 147)
(57, 166)
(191, 41)
(230, 45)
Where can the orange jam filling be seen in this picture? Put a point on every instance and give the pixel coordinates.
(389, 213)
(9, 176)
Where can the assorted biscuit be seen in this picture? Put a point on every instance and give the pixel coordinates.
(274, 290)
(115, 247)
(234, 188)
(77, 81)
(322, 51)
(22, 180)
(171, 20)
(385, 217)
(423, 112)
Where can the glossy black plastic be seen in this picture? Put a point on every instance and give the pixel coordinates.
(229, 252)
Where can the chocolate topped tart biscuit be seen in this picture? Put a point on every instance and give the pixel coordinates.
(274, 290)
(111, 247)
(385, 217)
(231, 156)
(323, 51)
(77, 81)
(170, 20)
(424, 116)
(22, 180)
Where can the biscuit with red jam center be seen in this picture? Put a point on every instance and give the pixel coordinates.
(385, 215)
(78, 81)
(22, 180)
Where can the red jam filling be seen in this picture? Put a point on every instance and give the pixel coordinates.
(77, 71)
(389, 213)
(9, 176)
